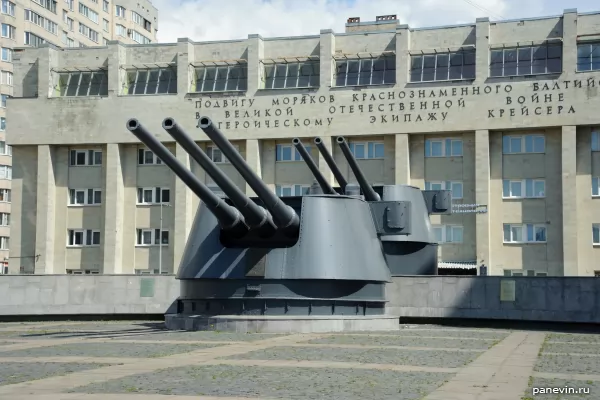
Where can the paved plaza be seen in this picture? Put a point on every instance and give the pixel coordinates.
(141, 360)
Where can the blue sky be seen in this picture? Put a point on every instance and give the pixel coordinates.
(202, 20)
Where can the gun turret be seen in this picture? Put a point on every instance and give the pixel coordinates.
(367, 189)
(284, 217)
(255, 216)
(310, 163)
(229, 217)
(331, 163)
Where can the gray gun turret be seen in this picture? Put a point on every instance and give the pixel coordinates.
(322, 181)
(367, 189)
(339, 177)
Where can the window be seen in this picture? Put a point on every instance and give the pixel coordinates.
(5, 172)
(448, 233)
(88, 32)
(588, 55)
(7, 54)
(443, 66)
(79, 158)
(47, 4)
(139, 38)
(520, 272)
(284, 152)
(524, 188)
(215, 154)
(596, 141)
(9, 31)
(70, 4)
(136, 18)
(105, 6)
(367, 150)
(291, 190)
(147, 25)
(372, 71)
(83, 83)
(2, 124)
(455, 187)
(86, 12)
(6, 78)
(221, 78)
(85, 197)
(149, 237)
(152, 81)
(45, 23)
(153, 195)
(528, 60)
(5, 149)
(67, 41)
(443, 148)
(595, 186)
(105, 25)
(3, 99)
(120, 11)
(8, 7)
(4, 243)
(4, 219)
(5, 195)
(596, 234)
(292, 75)
(71, 25)
(147, 157)
(523, 144)
(526, 233)
(83, 237)
(121, 30)
(33, 40)
(82, 272)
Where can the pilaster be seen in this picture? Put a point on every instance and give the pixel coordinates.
(482, 196)
(402, 159)
(569, 41)
(185, 56)
(253, 160)
(47, 81)
(569, 200)
(114, 201)
(117, 57)
(183, 210)
(326, 53)
(402, 54)
(482, 44)
(328, 141)
(255, 55)
(45, 212)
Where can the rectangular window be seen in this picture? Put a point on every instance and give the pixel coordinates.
(595, 186)
(88, 32)
(70, 4)
(88, 13)
(152, 237)
(38, 20)
(5, 149)
(292, 75)
(85, 197)
(6, 78)
(5, 172)
(120, 11)
(9, 31)
(456, 187)
(526, 60)
(443, 66)
(121, 30)
(71, 24)
(284, 152)
(105, 6)
(367, 150)
(596, 141)
(363, 72)
(105, 25)
(33, 40)
(83, 83)
(136, 18)
(215, 154)
(4, 243)
(523, 188)
(291, 190)
(7, 54)
(596, 234)
(524, 233)
(139, 38)
(153, 195)
(5, 195)
(78, 158)
(83, 237)
(222, 78)
(448, 233)
(147, 157)
(3, 99)
(588, 56)
(47, 4)
(4, 219)
(443, 148)
(523, 144)
(152, 81)
(8, 8)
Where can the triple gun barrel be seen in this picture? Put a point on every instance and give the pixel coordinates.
(245, 215)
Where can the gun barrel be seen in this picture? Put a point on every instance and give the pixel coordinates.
(229, 217)
(283, 216)
(327, 189)
(254, 215)
(331, 163)
(369, 193)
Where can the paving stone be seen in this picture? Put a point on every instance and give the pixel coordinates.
(570, 389)
(441, 332)
(562, 364)
(91, 349)
(574, 337)
(201, 336)
(373, 340)
(366, 356)
(11, 373)
(284, 383)
(571, 348)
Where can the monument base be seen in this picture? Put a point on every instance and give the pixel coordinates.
(281, 323)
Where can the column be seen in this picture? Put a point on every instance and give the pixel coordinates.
(417, 160)
(328, 141)
(183, 211)
(253, 160)
(569, 42)
(47, 81)
(402, 54)
(327, 50)
(402, 159)
(114, 202)
(569, 199)
(482, 44)
(482, 196)
(45, 212)
(185, 56)
(255, 55)
(117, 57)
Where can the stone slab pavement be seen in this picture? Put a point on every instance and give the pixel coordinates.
(129, 360)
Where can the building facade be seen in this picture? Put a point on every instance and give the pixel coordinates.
(504, 114)
(63, 24)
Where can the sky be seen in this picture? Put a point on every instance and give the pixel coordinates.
(206, 20)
